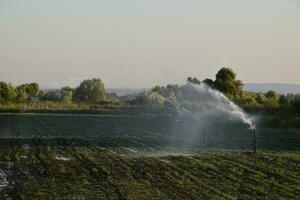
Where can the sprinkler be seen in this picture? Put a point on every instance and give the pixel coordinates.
(254, 138)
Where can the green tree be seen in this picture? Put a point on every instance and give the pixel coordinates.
(7, 91)
(22, 95)
(272, 99)
(226, 82)
(66, 94)
(193, 80)
(295, 105)
(247, 99)
(271, 94)
(90, 90)
(51, 95)
(283, 101)
(33, 90)
(209, 82)
(28, 91)
(261, 98)
(150, 98)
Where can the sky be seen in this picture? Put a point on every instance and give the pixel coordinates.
(142, 43)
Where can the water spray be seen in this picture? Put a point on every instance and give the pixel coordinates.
(212, 103)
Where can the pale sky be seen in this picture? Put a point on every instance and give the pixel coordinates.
(142, 43)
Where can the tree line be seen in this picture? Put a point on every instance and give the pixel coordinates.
(91, 90)
(227, 83)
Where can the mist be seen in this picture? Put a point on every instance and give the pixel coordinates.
(207, 118)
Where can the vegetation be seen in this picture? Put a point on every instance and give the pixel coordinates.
(90, 90)
(93, 92)
(98, 145)
(278, 110)
(96, 173)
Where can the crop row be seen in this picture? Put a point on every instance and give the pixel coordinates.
(42, 172)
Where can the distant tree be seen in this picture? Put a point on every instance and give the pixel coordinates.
(261, 98)
(22, 95)
(271, 94)
(209, 82)
(193, 80)
(171, 91)
(28, 91)
(51, 95)
(7, 91)
(226, 82)
(295, 104)
(150, 98)
(272, 99)
(33, 90)
(66, 94)
(290, 97)
(247, 99)
(90, 90)
(283, 101)
(160, 90)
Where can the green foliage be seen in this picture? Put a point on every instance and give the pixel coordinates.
(272, 99)
(91, 91)
(22, 95)
(7, 92)
(66, 94)
(209, 82)
(193, 80)
(271, 94)
(261, 98)
(28, 91)
(283, 101)
(283, 122)
(295, 105)
(226, 82)
(150, 97)
(247, 100)
(50, 95)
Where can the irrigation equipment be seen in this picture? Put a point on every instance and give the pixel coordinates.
(254, 138)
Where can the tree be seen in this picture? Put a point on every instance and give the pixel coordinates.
(50, 95)
(28, 91)
(261, 98)
(21, 95)
(209, 82)
(272, 99)
(171, 91)
(271, 94)
(193, 80)
(226, 82)
(33, 90)
(66, 94)
(295, 105)
(160, 90)
(90, 90)
(150, 97)
(283, 101)
(7, 91)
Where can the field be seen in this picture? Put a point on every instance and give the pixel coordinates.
(96, 173)
(59, 156)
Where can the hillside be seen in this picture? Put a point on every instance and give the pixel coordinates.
(278, 87)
